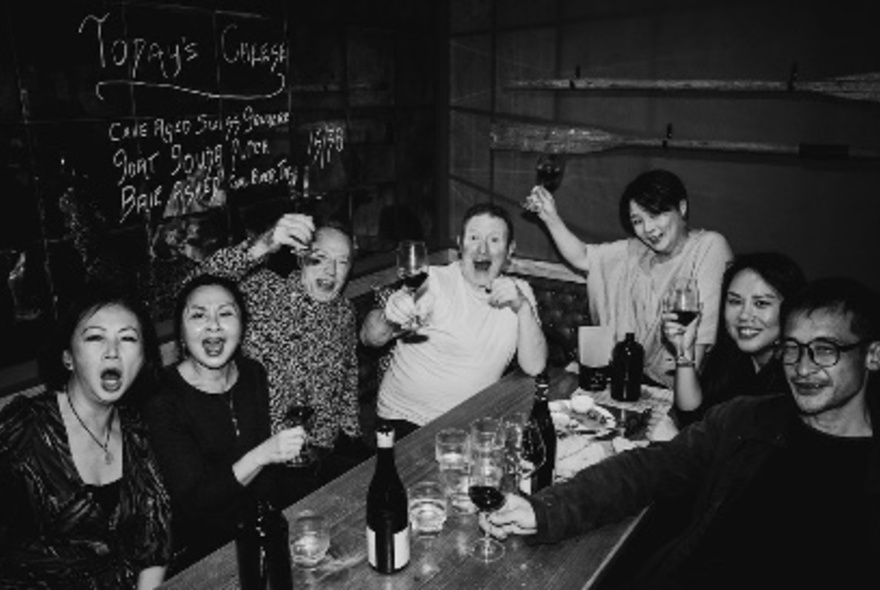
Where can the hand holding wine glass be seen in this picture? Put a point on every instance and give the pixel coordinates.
(682, 304)
(300, 415)
(412, 269)
(487, 473)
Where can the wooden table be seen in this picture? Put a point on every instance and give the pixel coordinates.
(443, 562)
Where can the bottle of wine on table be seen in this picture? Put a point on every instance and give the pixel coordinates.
(388, 543)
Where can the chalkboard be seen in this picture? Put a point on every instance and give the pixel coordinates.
(136, 138)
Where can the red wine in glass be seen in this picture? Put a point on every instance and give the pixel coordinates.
(549, 171)
(685, 317)
(486, 498)
(299, 415)
(414, 281)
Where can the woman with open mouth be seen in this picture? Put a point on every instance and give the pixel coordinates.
(743, 360)
(83, 502)
(209, 426)
(627, 279)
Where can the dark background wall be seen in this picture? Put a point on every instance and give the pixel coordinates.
(824, 213)
(137, 137)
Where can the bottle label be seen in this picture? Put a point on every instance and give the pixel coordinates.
(390, 556)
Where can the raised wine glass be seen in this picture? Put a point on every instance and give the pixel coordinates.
(549, 171)
(300, 415)
(487, 473)
(412, 269)
(683, 300)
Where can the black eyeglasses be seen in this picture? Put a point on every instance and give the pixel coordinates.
(824, 353)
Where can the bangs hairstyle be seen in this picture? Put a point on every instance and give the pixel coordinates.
(656, 191)
(841, 296)
(776, 269)
(492, 210)
(94, 297)
(205, 280)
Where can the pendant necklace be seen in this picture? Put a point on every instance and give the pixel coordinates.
(105, 446)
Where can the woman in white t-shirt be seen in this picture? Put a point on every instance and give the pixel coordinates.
(627, 279)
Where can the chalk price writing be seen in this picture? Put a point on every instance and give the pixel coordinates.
(163, 64)
(323, 140)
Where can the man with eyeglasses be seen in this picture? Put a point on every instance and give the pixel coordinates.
(785, 488)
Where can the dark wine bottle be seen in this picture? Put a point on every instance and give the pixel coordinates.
(387, 517)
(540, 415)
(263, 550)
(627, 362)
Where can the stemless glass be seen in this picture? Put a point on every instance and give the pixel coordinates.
(487, 436)
(452, 450)
(485, 492)
(683, 299)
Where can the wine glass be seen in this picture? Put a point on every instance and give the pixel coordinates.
(300, 415)
(549, 171)
(526, 452)
(412, 269)
(683, 300)
(487, 473)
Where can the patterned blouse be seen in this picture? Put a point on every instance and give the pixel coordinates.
(309, 347)
(54, 533)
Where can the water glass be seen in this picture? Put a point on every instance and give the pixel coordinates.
(309, 539)
(427, 508)
(452, 449)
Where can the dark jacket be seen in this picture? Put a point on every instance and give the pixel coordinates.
(713, 460)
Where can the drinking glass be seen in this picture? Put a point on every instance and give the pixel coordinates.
(427, 508)
(412, 263)
(485, 492)
(412, 269)
(525, 446)
(309, 539)
(453, 453)
(683, 299)
(486, 436)
(300, 415)
(549, 171)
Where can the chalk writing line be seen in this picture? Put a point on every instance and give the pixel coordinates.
(202, 93)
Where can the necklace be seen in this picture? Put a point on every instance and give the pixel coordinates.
(231, 403)
(105, 446)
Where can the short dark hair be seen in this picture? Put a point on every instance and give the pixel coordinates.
(204, 280)
(93, 297)
(843, 296)
(655, 191)
(492, 210)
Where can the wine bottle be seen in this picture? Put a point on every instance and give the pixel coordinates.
(627, 362)
(263, 550)
(540, 415)
(387, 518)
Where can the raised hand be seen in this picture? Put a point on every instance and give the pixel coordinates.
(541, 203)
(293, 230)
(504, 292)
(681, 337)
